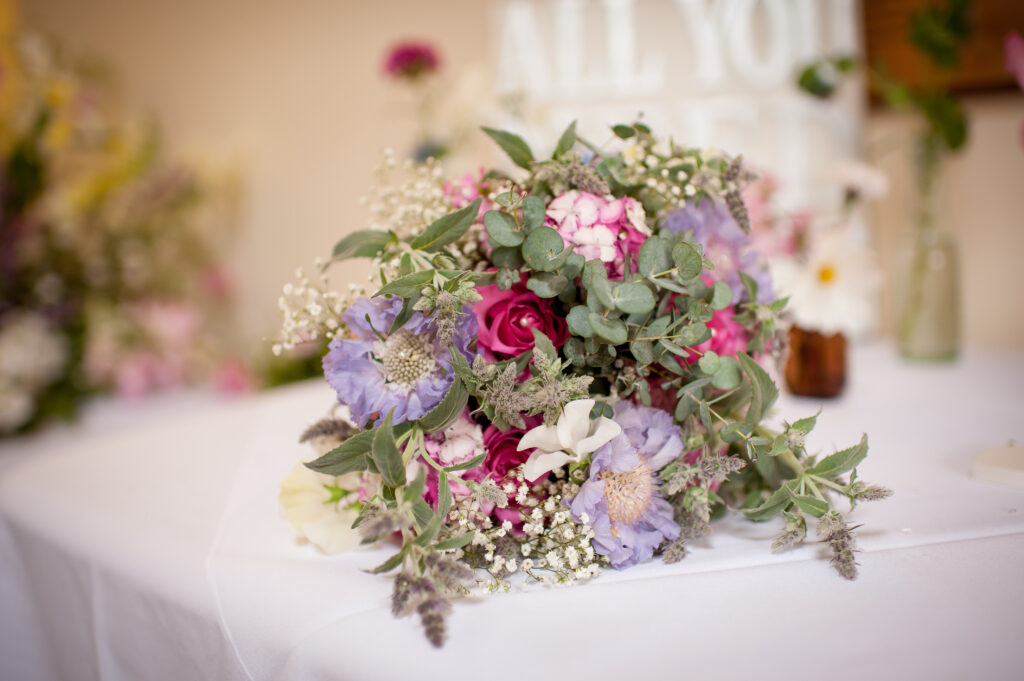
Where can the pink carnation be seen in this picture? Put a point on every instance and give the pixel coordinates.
(609, 230)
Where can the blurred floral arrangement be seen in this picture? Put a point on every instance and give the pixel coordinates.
(109, 273)
(554, 373)
(1014, 48)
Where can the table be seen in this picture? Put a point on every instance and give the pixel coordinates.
(155, 551)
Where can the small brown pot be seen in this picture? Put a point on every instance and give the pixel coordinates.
(816, 363)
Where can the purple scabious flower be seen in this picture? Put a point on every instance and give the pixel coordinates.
(725, 244)
(409, 370)
(622, 498)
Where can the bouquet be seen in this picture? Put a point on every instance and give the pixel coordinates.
(555, 371)
(109, 267)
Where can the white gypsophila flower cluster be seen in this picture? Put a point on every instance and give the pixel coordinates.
(552, 546)
(311, 310)
(408, 197)
(32, 356)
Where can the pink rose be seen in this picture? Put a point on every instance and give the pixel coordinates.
(598, 228)
(507, 318)
(502, 460)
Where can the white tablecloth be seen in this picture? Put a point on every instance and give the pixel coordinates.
(155, 551)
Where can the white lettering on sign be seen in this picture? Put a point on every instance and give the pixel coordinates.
(713, 72)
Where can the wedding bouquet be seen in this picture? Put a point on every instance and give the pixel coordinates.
(109, 266)
(554, 372)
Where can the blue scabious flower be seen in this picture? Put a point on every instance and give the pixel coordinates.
(376, 371)
(725, 244)
(622, 498)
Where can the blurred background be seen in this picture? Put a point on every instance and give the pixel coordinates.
(291, 106)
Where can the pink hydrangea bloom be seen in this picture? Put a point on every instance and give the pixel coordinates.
(600, 228)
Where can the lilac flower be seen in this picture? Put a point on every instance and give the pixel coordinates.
(622, 499)
(408, 370)
(725, 244)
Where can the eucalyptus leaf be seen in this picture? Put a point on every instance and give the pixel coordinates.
(595, 280)
(507, 257)
(633, 298)
(721, 296)
(611, 330)
(579, 321)
(502, 229)
(655, 257)
(547, 284)
(642, 351)
(728, 374)
(533, 213)
(544, 250)
(688, 260)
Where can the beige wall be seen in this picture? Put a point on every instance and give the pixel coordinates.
(294, 89)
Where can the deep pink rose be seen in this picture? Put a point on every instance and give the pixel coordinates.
(507, 318)
(502, 460)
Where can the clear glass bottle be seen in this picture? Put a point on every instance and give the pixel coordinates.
(929, 315)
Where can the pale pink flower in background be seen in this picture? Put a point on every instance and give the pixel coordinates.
(234, 378)
(467, 188)
(172, 324)
(216, 282)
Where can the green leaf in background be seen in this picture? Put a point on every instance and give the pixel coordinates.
(447, 228)
(407, 286)
(727, 375)
(455, 542)
(513, 145)
(348, 457)
(502, 229)
(709, 362)
(721, 296)
(415, 490)
(623, 132)
(642, 351)
(567, 141)
(365, 243)
(842, 461)
(444, 495)
(390, 564)
(385, 455)
(466, 465)
(763, 390)
(544, 250)
(940, 30)
(449, 408)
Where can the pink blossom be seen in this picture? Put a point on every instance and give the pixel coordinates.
(411, 59)
(466, 189)
(233, 377)
(728, 338)
(1015, 57)
(172, 324)
(599, 228)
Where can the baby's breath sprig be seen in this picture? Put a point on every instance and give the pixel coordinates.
(312, 310)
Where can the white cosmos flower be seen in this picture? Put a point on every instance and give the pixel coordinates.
(834, 290)
(572, 438)
(306, 504)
